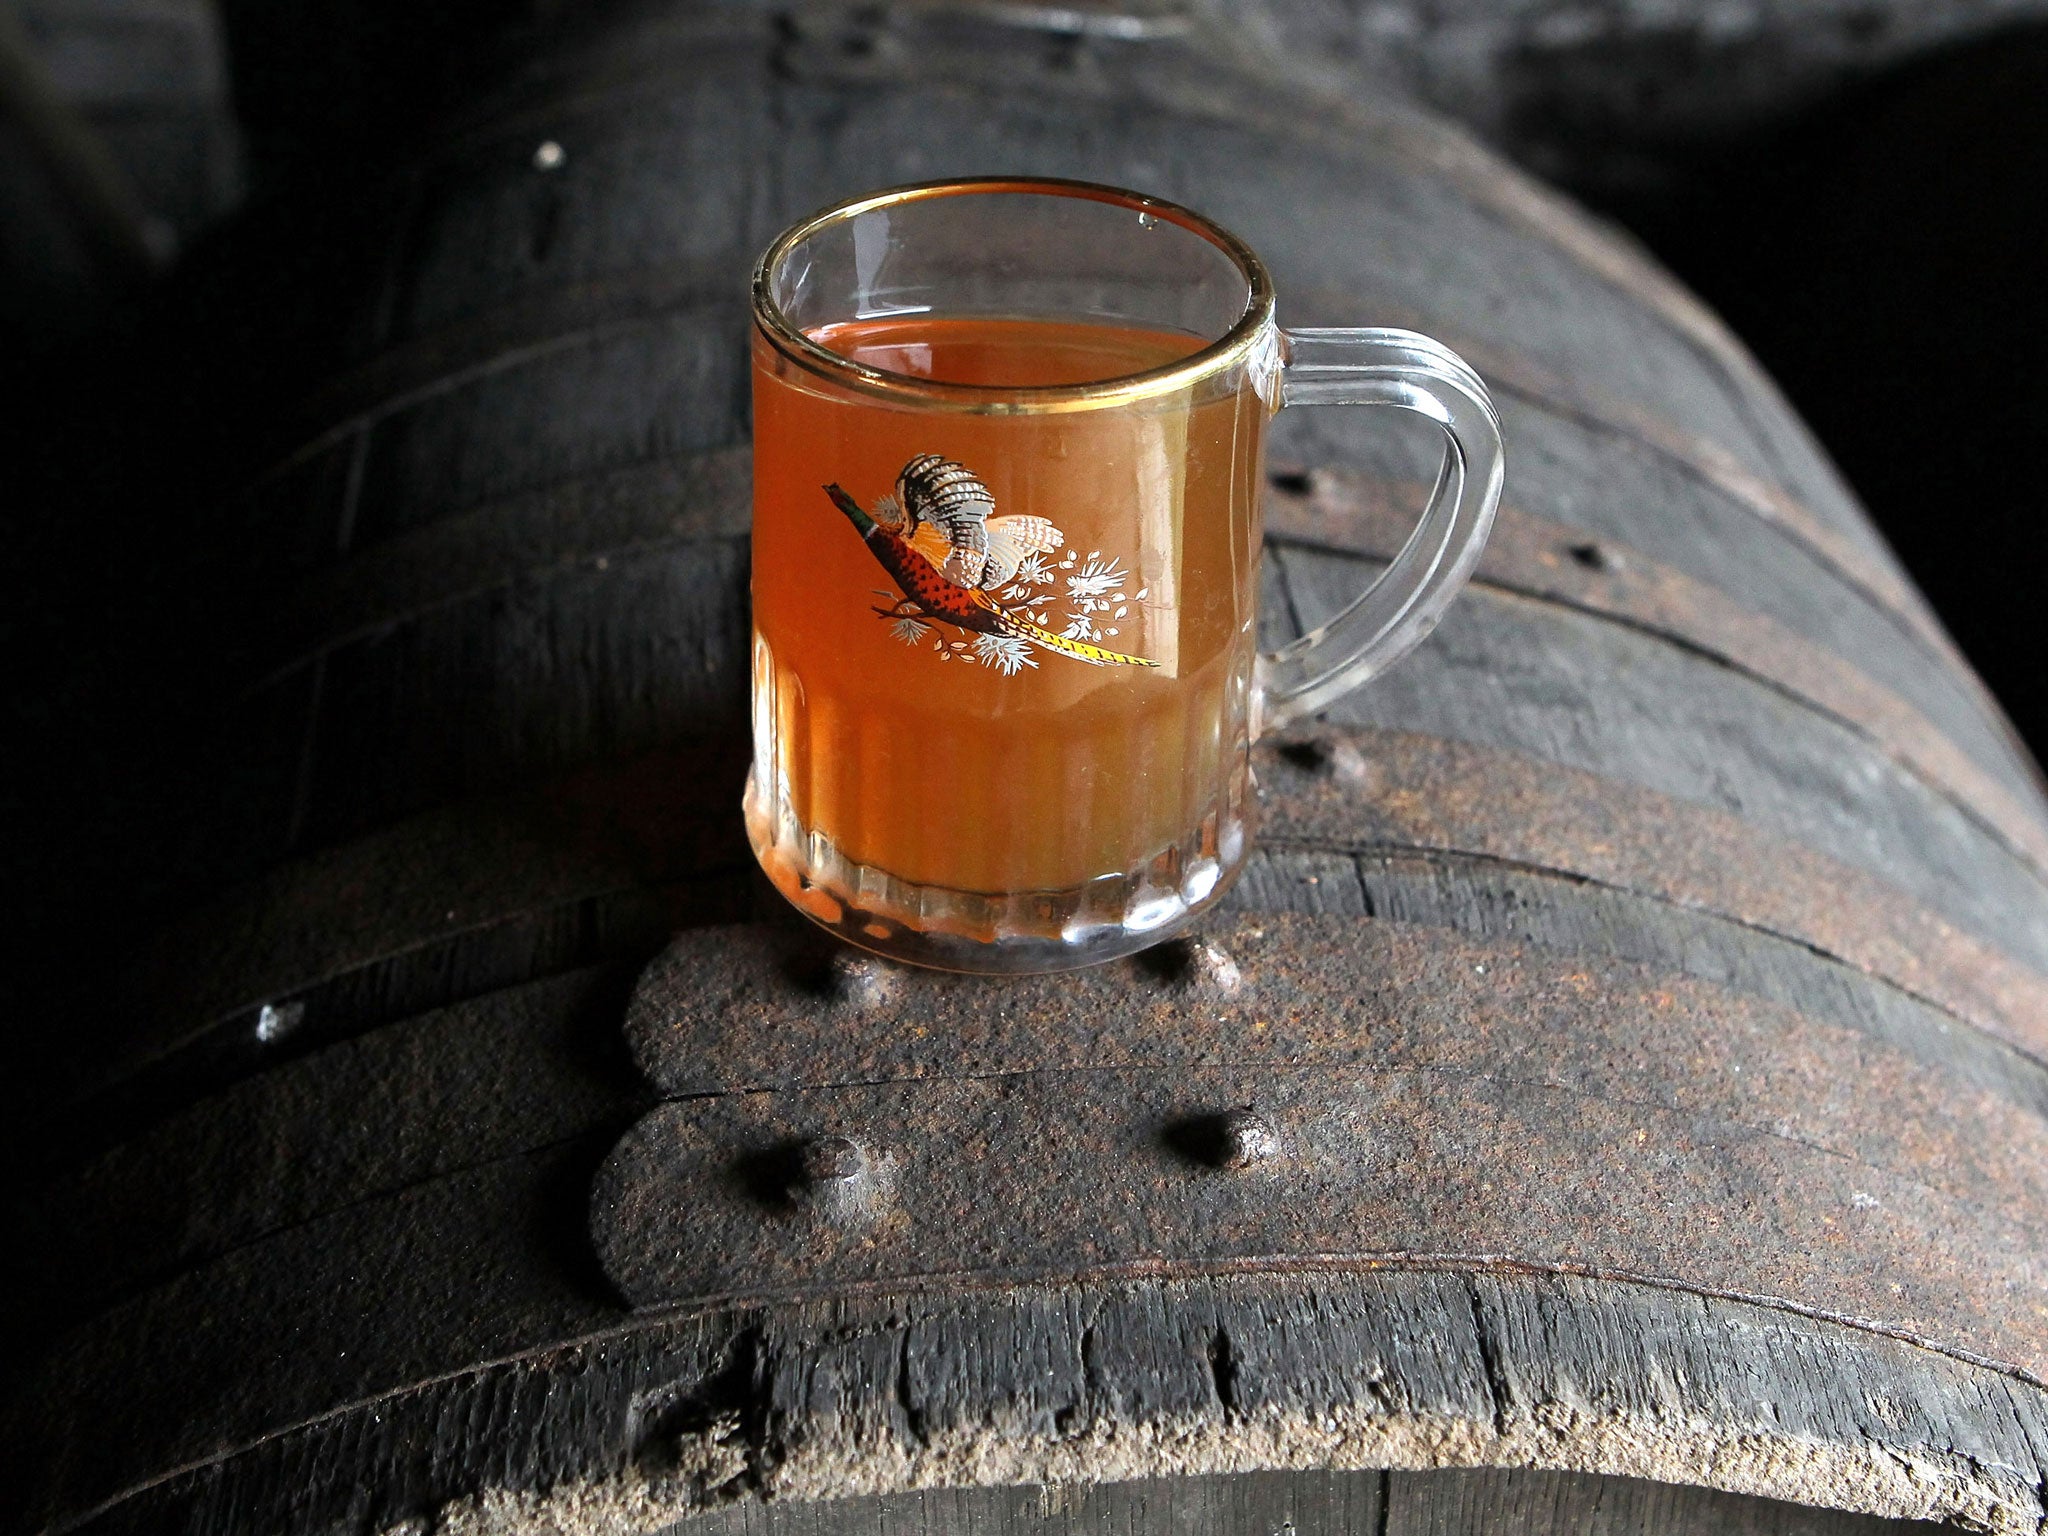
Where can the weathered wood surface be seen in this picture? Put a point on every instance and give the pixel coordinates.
(1441, 1503)
(494, 1077)
(1567, 688)
(615, 1424)
(490, 368)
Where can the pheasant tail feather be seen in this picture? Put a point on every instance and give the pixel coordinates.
(1080, 650)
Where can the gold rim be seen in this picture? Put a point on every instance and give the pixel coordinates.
(1233, 347)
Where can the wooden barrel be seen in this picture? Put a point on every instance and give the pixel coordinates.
(1613, 1099)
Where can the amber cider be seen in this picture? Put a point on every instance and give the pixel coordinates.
(915, 776)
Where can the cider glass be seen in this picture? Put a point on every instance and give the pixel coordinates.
(1008, 443)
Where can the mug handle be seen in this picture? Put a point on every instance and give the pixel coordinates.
(1396, 613)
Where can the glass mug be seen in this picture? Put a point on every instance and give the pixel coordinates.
(1008, 443)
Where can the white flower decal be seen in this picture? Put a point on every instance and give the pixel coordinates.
(1006, 653)
(1032, 571)
(1096, 580)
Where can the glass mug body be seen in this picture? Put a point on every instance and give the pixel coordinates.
(1008, 443)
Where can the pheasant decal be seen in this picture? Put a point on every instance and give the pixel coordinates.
(950, 557)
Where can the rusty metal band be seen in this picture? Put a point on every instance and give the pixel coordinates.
(1342, 510)
(1300, 1088)
(1058, 1177)
(739, 1010)
(1369, 788)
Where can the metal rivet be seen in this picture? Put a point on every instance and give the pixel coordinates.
(1330, 756)
(859, 980)
(826, 1161)
(1347, 763)
(1193, 965)
(276, 1020)
(1245, 1137)
(1211, 967)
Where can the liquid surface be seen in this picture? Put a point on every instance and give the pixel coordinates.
(952, 757)
(1005, 353)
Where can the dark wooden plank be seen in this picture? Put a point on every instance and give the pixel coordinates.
(1569, 688)
(1519, 1502)
(491, 1078)
(479, 1266)
(1445, 253)
(1517, 373)
(1500, 902)
(1592, 1365)
(928, 111)
(111, 1101)
(1367, 791)
(1533, 556)
(1060, 1387)
(498, 223)
(610, 395)
(296, 519)
(518, 541)
(1619, 489)
(571, 873)
(626, 656)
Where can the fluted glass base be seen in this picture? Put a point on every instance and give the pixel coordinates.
(1014, 933)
